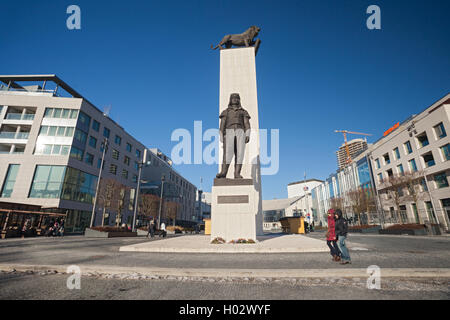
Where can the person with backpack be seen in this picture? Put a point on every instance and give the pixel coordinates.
(341, 229)
(331, 237)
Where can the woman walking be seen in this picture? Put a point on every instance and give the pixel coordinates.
(341, 232)
(331, 237)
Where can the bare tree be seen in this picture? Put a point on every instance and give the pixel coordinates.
(172, 210)
(149, 205)
(337, 203)
(121, 198)
(395, 186)
(357, 201)
(107, 195)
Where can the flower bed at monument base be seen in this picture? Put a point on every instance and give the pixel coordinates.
(108, 232)
(220, 240)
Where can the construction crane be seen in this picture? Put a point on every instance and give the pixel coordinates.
(345, 132)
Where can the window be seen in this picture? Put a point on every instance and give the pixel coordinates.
(136, 166)
(112, 168)
(397, 153)
(446, 151)
(80, 136)
(57, 113)
(125, 174)
(47, 182)
(95, 125)
(51, 131)
(412, 165)
(408, 147)
(129, 147)
(69, 132)
(428, 159)
(93, 142)
(48, 112)
(138, 153)
(440, 131)
(380, 177)
(65, 113)
(78, 186)
(60, 131)
(76, 153)
(126, 160)
(118, 140)
(135, 178)
(73, 114)
(386, 158)
(99, 163)
(89, 158)
(389, 173)
(422, 139)
(85, 119)
(377, 162)
(106, 132)
(56, 149)
(10, 180)
(441, 180)
(115, 154)
(400, 169)
(424, 185)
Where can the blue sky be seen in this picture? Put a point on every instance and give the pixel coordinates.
(318, 69)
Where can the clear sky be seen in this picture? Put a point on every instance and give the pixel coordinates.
(318, 69)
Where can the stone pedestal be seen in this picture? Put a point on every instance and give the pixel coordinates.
(236, 210)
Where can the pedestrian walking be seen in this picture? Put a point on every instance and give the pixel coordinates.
(331, 237)
(163, 230)
(151, 229)
(341, 229)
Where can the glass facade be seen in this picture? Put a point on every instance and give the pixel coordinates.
(10, 180)
(79, 186)
(47, 182)
(363, 173)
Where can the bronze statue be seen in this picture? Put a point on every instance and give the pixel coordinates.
(239, 40)
(234, 133)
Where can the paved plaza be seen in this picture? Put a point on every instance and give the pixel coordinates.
(411, 268)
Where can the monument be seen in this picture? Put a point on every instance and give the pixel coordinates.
(236, 210)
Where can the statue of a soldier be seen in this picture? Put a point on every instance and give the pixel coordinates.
(234, 133)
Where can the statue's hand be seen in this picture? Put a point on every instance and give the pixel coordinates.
(247, 139)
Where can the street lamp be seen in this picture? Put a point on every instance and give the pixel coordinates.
(160, 200)
(140, 165)
(105, 148)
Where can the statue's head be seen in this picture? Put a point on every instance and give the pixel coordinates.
(235, 100)
(255, 30)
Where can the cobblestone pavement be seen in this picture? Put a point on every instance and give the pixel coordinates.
(384, 251)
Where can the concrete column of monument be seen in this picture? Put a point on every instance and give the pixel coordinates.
(236, 201)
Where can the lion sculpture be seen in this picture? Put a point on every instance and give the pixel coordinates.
(240, 40)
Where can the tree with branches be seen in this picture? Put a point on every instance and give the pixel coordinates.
(149, 205)
(108, 195)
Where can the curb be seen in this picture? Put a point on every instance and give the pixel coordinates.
(235, 273)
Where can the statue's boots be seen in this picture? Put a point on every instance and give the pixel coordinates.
(237, 171)
(223, 172)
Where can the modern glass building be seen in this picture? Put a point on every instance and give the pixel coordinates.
(51, 145)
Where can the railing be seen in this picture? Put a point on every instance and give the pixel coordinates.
(14, 135)
(19, 116)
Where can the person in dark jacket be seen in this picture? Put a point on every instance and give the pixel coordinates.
(341, 229)
(331, 237)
